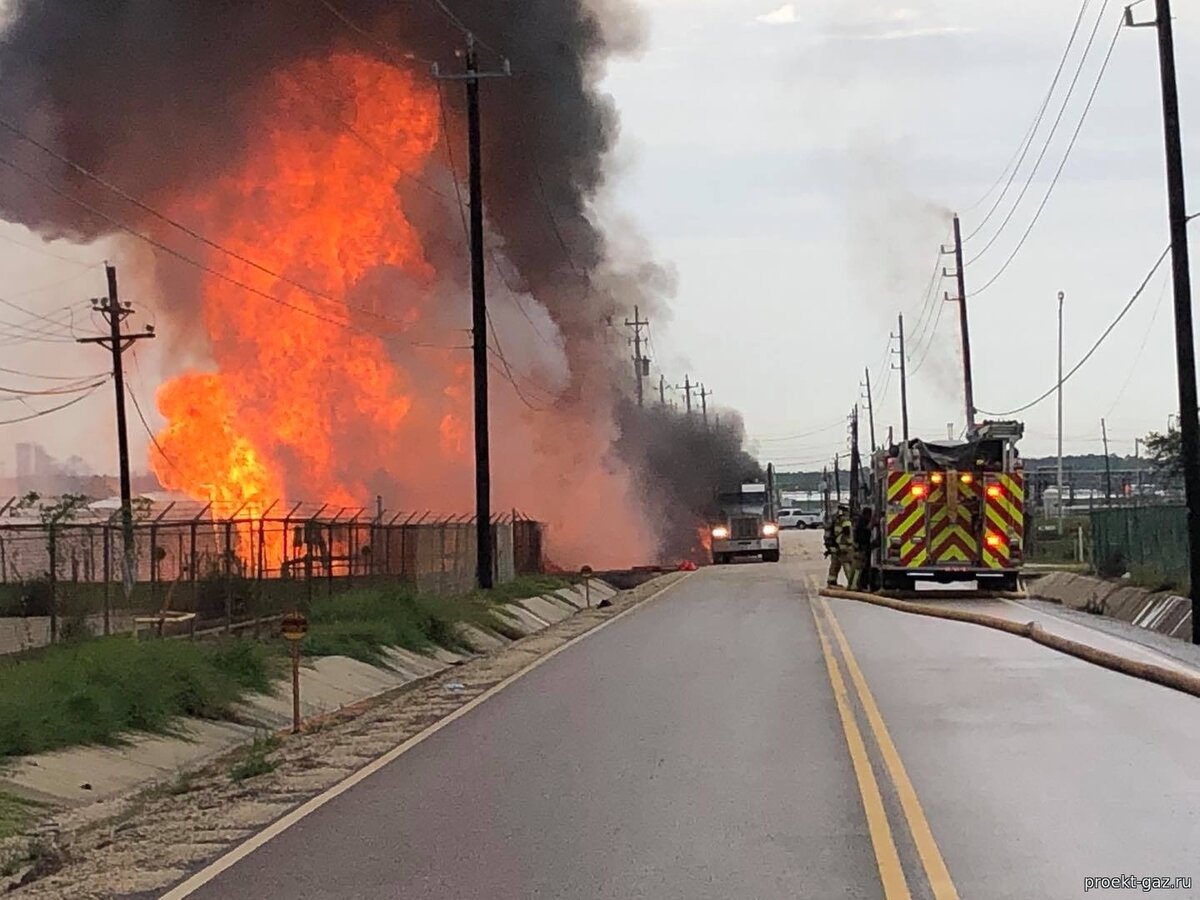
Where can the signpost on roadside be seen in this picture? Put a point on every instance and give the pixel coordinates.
(293, 627)
(586, 572)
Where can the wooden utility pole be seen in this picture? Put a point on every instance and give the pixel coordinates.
(903, 382)
(837, 478)
(687, 389)
(855, 474)
(960, 277)
(704, 395)
(117, 341)
(1107, 465)
(641, 365)
(662, 389)
(1185, 350)
(870, 409)
(484, 575)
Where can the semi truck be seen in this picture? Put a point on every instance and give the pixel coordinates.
(950, 512)
(746, 523)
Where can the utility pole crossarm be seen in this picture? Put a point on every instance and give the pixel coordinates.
(640, 363)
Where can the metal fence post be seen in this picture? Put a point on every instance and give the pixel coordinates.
(52, 550)
(228, 557)
(106, 543)
(154, 566)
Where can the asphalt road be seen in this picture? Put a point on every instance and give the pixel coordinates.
(738, 738)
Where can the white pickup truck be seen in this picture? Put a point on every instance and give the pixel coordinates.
(800, 518)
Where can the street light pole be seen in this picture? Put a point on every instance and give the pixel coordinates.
(1061, 295)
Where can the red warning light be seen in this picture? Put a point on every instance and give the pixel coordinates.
(993, 490)
(994, 540)
(919, 490)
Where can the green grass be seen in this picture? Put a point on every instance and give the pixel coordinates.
(359, 623)
(1152, 578)
(96, 691)
(15, 813)
(255, 760)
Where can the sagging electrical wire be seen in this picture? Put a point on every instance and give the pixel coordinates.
(340, 323)
(45, 412)
(1027, 142)
(1100, 340)
(1058, 172)
(1037, 163)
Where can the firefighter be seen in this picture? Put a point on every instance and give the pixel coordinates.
(864, 530)
(835, 546)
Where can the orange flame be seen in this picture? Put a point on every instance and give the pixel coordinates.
(314, 200)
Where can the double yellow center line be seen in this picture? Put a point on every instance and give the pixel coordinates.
(891, 872)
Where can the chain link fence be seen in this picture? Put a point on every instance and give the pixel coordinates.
(1150, 542)
(192, 564)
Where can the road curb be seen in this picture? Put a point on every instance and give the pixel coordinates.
(1169, 678)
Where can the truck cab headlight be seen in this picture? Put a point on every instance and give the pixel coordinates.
(720, 532)
(770, 529)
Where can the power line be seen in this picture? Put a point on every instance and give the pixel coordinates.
(508, 374)
(43, 252)
(935, 281)
(191, 232)
(341, 323)
(53, 377)
(1037, 163)
(929, 343)
(45, 412)
(841, 421)
(65, 389)
(1141, 349)
(54, 284)
(1095, 346)
(374, 39)
(1058, 172)
(458, 23)
(1023, 149)
(149, 431)
(516, 293)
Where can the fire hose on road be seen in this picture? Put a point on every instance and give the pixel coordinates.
(1170, 678)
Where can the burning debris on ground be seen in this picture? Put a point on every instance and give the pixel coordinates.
(298, 176)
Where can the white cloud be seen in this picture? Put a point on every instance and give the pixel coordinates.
(785, 15)
(900, 34)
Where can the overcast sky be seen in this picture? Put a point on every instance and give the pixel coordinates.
(796, 163)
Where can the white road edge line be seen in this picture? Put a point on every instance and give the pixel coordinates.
(279, 826)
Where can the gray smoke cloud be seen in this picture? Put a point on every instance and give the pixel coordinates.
(156, 96)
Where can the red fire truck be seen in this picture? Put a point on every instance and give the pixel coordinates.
(950, 511)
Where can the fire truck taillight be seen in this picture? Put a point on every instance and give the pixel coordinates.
(994, 490)
(994, 540)
(966, 477)
(936, 477)
(918, 490)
